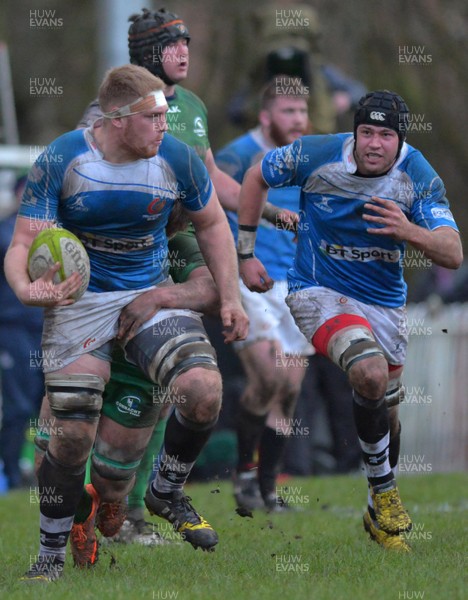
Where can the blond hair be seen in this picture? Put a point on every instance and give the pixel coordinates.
(123, 85)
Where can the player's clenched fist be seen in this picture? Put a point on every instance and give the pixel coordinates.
(255, 276)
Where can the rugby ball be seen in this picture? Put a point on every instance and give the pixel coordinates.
(59, 245)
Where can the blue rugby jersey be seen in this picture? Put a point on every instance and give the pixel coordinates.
(118, 211)
(274, 247)
(334, 249)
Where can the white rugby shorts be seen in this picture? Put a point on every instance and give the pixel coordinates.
(314, 306)
(83, 327)
(271, 319)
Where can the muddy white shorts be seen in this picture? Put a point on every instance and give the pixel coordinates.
(89, 324)
(320, 311)
(271, 319)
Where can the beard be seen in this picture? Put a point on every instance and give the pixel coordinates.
(133, 145)
(283, 138)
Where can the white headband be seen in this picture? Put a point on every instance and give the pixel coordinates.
(149, 102)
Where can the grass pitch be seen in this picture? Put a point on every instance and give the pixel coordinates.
(319, 553)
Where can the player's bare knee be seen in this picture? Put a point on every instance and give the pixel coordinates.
(73, 447)
(200, 392)
(369, 377)
(265, 389)
(255, 403)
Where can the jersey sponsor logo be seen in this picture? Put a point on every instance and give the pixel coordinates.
(115, 245)
(365, 254)
(442, 213)
(377, 116)
(156, 205)
(199, 127)
(173, 109)
(129, 405)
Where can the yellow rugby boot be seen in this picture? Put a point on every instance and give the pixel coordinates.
(388, 541)
(184, 518)
(390, 513)
(45, 569)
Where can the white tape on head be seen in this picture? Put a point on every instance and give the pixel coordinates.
(151, 101)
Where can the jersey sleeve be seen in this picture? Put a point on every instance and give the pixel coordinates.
(193, 181)
(280, 167)
(43, 189)
(42, 192)
(430, 208)
(294, 164)
(184, 255)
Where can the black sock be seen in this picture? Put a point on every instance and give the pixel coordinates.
(60, 489)
(393, 454)
(85, 505)
(270, 454)
(371, 419)
(183, 442)
(394, 448)
(249, 430)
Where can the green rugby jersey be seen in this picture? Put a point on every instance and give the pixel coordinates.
(187, 119)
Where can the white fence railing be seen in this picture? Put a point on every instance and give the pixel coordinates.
(434, 414)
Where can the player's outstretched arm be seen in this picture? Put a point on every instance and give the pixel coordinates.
(442, 245)
(217, 245)
(43, 291)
